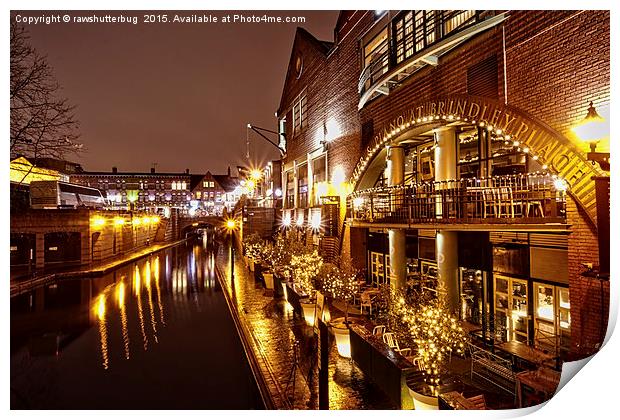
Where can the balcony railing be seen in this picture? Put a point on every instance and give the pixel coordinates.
(531, 198)
(416, 38)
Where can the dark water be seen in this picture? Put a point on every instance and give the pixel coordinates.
(156, 334)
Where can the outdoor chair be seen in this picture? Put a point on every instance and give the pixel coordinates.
(392, 342)
(379, 330)
(366, 302)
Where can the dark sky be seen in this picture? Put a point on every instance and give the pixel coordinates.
(177, 94)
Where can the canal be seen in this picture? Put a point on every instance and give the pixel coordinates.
(154, 334)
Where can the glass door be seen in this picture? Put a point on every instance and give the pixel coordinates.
(551, 317)
(511, 314)
(377, 269)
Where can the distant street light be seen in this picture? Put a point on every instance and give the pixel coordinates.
(231, 226)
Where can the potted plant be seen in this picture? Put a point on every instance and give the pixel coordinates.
(425, 323)
(339, 282)
(305, 269)
(250, 245)
(266, 252)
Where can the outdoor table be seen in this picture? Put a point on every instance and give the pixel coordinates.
(536, 386)
(525, 352)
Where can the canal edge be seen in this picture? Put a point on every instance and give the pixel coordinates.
(29, 285)
(267, 382)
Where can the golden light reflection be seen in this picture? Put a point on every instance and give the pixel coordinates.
(100, 311)
(158, 289)
(120, 296)
(137, 286)
(147, 281)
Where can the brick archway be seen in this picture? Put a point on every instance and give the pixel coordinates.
(554, 151)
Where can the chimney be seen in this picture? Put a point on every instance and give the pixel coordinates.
(229, 172)
(153, 170)
(187, 171)
(114, 169)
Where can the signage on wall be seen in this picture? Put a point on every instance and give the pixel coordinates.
(554, 151)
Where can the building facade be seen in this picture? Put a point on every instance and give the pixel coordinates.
(444, 140)
(148, 191)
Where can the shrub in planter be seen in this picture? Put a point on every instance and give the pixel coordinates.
(423, 321)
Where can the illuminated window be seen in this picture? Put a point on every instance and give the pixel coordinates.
(198, 194)
(183, 185)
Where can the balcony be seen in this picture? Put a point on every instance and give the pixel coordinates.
(531, 199)
(416, 39)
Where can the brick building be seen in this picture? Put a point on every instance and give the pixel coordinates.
(152, 191)
(445, 141)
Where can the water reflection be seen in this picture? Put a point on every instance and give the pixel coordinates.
(147, 278)
(137, 288)
(120, 294)
(106, 328)
(103, 329)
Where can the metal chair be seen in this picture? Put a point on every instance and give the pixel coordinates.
(379, 330)
(366, 302)
(392, 342)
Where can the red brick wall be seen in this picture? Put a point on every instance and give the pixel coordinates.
(556, 62)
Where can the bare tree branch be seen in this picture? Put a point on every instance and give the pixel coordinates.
(43, 124)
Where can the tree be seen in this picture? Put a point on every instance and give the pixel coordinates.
(43, 124)
(339, 281)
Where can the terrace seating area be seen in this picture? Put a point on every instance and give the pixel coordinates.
(525, 198)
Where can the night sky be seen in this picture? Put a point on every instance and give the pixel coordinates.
(176, 94)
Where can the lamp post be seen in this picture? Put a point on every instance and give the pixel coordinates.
(591, 130)
(230, 225)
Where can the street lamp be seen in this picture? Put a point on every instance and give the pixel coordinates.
(591, 130)
(230, 226)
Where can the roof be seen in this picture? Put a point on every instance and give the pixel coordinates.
(301, 35)
(228, 183)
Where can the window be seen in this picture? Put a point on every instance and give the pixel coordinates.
(551, 317)
(198, 195)
(403, 36)
(376, 58)
(205, 184)
(302, 185)
(290, 190)
(469, 154)
(299, 114)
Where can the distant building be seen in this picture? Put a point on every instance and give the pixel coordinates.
(211, 194)
(158, 192)
(149, 191)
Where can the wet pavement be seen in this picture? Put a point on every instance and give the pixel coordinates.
(276, 328)
(153, 334)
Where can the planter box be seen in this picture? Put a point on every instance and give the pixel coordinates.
(293, 298)
(279, 285)
(268, 277)
(385, 367)
(258, 272)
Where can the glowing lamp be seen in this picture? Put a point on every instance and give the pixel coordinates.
(230, 224)
(315, 222)
(251, 184)
(343, 342)
(338, 176)
(97, 221)
(256, 174)
(300, 220)
(358, 202)
(308, 309)
(592, 128)
(146, 220)
(278, 192)
(286, 221)
(136, 221)
(119, 221)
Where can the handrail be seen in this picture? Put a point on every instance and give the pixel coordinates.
(527, 198)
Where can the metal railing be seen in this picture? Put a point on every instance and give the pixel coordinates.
(527, 198)
(412, 33)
